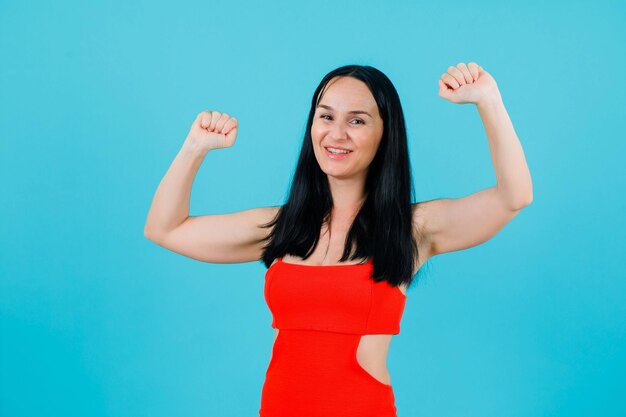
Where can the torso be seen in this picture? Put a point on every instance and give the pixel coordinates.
(372, 350)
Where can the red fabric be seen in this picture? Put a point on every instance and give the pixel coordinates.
(321, 312)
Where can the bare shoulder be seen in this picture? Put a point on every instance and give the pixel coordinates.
(264, 215)
(258, 217)
(236, 237)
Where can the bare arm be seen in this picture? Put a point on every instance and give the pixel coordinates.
(170, 204)
(219, 238)
(453, 224)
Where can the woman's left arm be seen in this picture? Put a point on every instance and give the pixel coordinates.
(451, 224)
(513, 182)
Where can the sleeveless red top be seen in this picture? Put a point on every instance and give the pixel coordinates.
(337, 298)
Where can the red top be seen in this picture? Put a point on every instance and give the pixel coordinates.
(339, 298)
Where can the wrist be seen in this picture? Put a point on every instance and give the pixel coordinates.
(490, 101)
(193, 147)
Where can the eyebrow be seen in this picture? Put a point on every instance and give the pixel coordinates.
(351, 112)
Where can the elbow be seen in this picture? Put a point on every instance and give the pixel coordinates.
(529, 197)
(523, 202)
(150, 234)
(517, 199)
(156, 233)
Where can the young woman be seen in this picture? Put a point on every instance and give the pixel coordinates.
(343, 249)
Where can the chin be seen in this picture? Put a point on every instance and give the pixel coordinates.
(339, 174)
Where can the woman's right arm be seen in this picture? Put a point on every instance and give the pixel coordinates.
(220, 238)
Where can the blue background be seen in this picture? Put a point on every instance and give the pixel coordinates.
(97, 98)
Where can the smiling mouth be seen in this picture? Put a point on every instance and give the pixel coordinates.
(337, 151)
(337, 156)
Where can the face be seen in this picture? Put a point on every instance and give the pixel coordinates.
(346, 118)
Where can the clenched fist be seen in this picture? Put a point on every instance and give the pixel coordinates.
(467, 84)
(213, 130)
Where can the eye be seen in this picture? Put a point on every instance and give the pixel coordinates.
(329, 117)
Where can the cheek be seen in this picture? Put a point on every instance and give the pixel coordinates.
(370, 142)
(377, 146)
(317, 132)
(372, 150)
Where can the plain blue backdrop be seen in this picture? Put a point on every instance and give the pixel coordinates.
(96, 98)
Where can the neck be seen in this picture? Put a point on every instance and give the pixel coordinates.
(348, 194)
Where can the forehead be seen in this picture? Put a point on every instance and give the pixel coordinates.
(348, 93)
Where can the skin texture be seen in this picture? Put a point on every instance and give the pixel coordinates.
(360, 133)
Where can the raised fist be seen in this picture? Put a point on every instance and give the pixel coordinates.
(213, 130)
(467, 84)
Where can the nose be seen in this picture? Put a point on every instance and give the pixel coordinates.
(339, 131)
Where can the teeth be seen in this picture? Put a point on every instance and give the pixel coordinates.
(333, 150)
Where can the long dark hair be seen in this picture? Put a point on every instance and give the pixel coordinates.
(383, 226)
